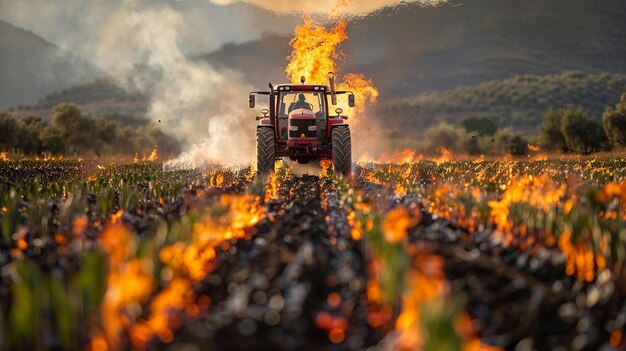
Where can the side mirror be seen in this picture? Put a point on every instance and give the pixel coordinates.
(351, 102)
(251, 101)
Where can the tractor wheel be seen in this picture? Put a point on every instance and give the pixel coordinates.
(265, 151)
(342, 150)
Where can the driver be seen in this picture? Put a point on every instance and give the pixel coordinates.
(301, 103)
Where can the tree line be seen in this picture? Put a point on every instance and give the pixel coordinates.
(568, 130)
(72, 132)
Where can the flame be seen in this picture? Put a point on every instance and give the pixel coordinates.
(150, 158)
(153, 155)
(129, 282)
(3, 156)
(425, 285)
(446, 155)
(314, 55)
(397, 222)
(533, 148)
(191, 263)
(271, 188)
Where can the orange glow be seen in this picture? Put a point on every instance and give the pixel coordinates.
(153, 155)
(533, 148)
(333, 300)
(129, 281)
(192, 262)
(150, 158)
(79, 225)
(397, 222)
(271, 188)
(616, 338)
(446, 155)
(326, 164)
(426, 283)
(4, 156)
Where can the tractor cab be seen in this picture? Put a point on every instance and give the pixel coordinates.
(301, 113)
(299, 123)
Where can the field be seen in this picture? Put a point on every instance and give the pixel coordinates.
(435, 254)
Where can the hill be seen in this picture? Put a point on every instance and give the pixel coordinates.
(519, 102)
(97, 97)
(410, 48)
(31, 67)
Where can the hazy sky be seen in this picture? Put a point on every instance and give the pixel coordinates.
(207, 24)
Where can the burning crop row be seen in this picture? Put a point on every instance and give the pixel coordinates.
(574, 205)
(407, 283)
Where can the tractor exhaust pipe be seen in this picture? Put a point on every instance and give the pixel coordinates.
(333, 96)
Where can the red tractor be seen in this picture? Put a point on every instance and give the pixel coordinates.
(298, 125)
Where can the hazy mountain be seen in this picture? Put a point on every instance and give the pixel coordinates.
(408, 49)
(31, 67)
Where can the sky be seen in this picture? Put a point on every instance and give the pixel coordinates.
(206, 25)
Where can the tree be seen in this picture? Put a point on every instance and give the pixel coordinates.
(8, 132)
(446, 135)
(76, 129)
(582, 134)
(52, 140)
(507, 141)
(30, 129)
(481, 125)
(550, 130)
(614, 123)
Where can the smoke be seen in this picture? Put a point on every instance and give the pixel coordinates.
(138, 45)
(351, 7)
(201, 106)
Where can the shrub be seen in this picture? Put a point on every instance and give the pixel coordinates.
(614, 123)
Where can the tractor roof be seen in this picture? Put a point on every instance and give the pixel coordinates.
(301, 87)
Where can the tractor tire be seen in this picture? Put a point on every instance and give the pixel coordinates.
(342, 150)
(265, 151)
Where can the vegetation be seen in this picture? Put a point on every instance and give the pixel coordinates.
(614, 123)
(572, 129)
(95, 91)
(72, 132)
(128, 255)
(518, 102)
(461, 141)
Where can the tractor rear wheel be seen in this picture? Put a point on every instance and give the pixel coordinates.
(342, 150)
(265, 151)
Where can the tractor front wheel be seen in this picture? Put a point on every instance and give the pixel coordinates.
(342, 150)
(265, 151)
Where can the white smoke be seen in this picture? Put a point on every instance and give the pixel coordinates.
(203, 107)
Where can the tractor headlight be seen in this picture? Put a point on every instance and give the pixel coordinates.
(293, 128)
(312, 128)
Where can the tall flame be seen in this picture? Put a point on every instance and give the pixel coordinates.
(314, 55)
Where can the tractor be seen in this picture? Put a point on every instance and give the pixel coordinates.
(298, 125)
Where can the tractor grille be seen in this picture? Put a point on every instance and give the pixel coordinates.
(303, 128)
